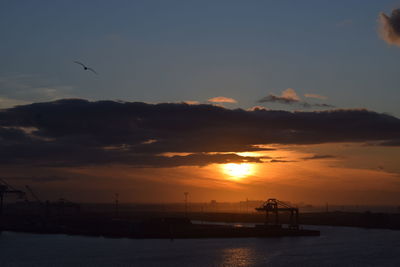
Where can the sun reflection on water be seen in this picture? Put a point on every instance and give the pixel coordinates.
(238, 257)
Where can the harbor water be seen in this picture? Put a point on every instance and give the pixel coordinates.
(337, 246)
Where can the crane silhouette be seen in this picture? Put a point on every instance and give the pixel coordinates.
(5, 188)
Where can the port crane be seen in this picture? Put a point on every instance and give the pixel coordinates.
(274, 206)
(60, 205)
(33, 194)
(5, 189)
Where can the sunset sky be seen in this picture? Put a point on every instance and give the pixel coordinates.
(227, 100)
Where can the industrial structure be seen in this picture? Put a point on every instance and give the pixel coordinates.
(33, 194)
(5, 189)
(275, 206)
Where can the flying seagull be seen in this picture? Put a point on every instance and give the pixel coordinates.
(85, 67)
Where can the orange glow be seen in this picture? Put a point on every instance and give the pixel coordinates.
(238, 171)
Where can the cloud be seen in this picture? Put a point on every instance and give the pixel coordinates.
(257, 108)
(315, 96)
(222, 99)
(390, 27)
(316, 105)
(319, 157)
(76, 132)
(39, 179)
(290, 97)
(395, 142)
(290, 94)
(191, 102)
(281, 161)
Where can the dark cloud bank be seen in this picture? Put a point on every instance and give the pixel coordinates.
(77, 132)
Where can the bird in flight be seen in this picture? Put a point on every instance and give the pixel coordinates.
(85, 67)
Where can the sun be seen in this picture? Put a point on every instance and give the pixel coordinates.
(237, 170)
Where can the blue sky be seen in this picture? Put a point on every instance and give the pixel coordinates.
(172, 51)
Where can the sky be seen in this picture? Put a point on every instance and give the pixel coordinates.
(227, 100)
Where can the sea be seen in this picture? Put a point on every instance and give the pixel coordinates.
(337, 246)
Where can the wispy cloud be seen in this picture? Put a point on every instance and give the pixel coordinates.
(319, 157)
(191, 102)
(290, 97)
(39, 179)
(315, 105)
(390, 27)
(222, 99)
(281, 161)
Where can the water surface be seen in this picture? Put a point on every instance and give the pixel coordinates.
(337, 246)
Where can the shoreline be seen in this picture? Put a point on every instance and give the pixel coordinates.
(171, 225)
